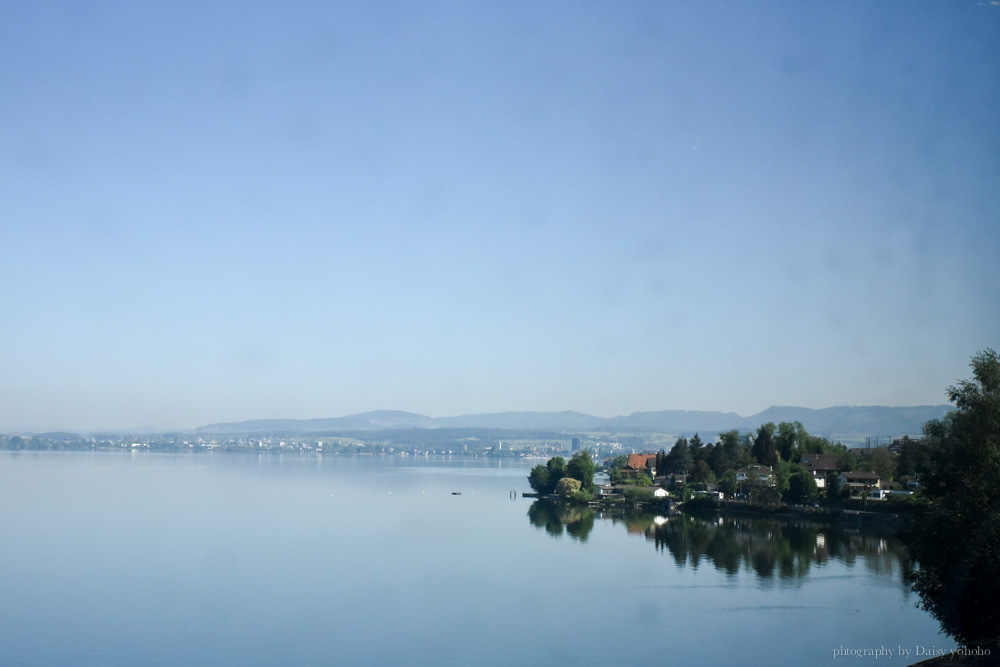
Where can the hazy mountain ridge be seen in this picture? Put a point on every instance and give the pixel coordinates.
(873, 420)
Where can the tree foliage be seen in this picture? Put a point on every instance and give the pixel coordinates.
(881, 461)
(955, 538)
(728, 483)
(615, 468)
(764, 449)
(701, 472)
(538, 478)
(912, 455)
(679, 459)
(787, 440)
(638, 494)
(581, 468)
(641, 479)
(801, 488)
(544, 478)
(556, 477)
(567, 487)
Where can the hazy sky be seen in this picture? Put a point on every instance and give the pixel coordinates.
(216, 211)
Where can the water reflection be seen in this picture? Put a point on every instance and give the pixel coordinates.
(576, 520)
(771, 548)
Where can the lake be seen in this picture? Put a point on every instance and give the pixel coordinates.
(134, 559)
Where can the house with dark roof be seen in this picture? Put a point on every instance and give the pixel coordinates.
(755, 473)
(820, 466)
(860, 483)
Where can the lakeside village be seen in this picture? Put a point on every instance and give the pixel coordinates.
(780, 468)
(471, 442)
(468, 442)
(777, 467)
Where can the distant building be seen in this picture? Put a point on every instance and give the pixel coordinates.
(757, 473)
(576, 444)
(860, 482)
(640, 463)
(820, 465)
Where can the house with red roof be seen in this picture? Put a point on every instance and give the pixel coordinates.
(640, 463)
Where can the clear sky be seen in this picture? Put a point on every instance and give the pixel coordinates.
(217, 211)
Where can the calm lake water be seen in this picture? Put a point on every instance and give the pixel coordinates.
(134, 559)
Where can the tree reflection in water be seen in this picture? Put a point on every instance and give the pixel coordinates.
(776, 548)
(772, 548)
(576, 520)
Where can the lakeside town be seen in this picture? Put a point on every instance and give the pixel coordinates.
(781, 467)
(946, 483)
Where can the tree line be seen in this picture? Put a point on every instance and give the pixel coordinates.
(573, 480)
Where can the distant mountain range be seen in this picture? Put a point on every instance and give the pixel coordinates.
(859, 420)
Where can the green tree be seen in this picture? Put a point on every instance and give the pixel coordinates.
(720, 462)
(696, 441)
(615, 468)
(763, 494)
(581, 468)
(641, 479)
(543, 479)
(557, 469)
(782, 472)
(912, 455)
(955, 538)
(801, 488)
(696, 446)
(787, 440)
(661, 462)
(683, 491)
(538, 478)
(568, 486)
(881, 461)
(764, 449)
(846, 461)
(834, 494)
(728, 483)
(679, 460)
(638, 494)
(702, 473)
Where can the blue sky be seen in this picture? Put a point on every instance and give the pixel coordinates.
(234, 210)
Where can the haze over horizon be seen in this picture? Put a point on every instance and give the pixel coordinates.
(215, 213)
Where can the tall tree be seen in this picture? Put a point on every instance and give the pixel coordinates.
(661, 462)
(881, 461)
(728, 483)
(697, 448)
(721, 462)
(557, 468)
(544, 478)
(581, 468)
(735, 451)
(801, 488)
(538, 478)
(701, 473)
(787, 440)
(679, 460)
(956, 538)
(764, 449)
(912, 454)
